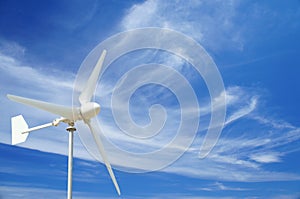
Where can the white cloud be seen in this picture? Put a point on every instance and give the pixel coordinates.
(218, 186)
(243, 111)
(21, 191)
(210, 22)
(240, 102)
(273, 123)
(140, 15)
(266, 157)
(29, 75)
(12, 48)
(16, 192)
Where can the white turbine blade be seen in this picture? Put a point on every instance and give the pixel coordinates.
(66, 112)
(104, 157)
(90, 86)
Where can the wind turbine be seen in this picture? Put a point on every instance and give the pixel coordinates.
(69, 115)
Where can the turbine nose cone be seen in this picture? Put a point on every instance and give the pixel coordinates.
(89, 110)
(96, 108)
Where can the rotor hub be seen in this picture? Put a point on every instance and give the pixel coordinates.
(89, 110)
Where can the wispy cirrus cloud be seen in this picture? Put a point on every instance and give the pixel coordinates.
(34, 77)
(20, 191)
(218, 186)
(212, 23)
(242, 165)
(266, 157)
(241, 154)
(11, 48)
(219, 26)
(245, 157)
(243, 111)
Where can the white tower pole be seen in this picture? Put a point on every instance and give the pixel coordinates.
(71, 130)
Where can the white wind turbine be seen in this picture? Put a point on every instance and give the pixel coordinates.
(69, 115)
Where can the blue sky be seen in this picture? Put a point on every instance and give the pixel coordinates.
(256, 48)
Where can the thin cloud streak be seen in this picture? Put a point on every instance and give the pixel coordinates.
(266, 157)
(219, 20)
(29, 75)
(21, 191)
(218, 186)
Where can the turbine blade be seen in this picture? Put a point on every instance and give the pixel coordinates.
(104, 157)
(90, 86)
(66, 112)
